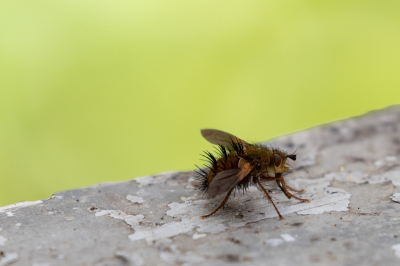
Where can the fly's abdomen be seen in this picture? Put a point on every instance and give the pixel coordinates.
(225, 160)
(225, 163)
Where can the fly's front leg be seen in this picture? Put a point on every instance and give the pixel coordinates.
(287, 193)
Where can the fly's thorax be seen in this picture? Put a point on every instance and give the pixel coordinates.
(257, 155)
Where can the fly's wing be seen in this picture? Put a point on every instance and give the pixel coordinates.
(228, 179)
(219, 137)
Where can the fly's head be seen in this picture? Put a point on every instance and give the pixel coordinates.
(278, 162)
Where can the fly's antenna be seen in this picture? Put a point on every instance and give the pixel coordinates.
(293, 156)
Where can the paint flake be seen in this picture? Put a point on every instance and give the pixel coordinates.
(8, 259)
(9, 214)
(18, 224)
(135, 199)
(288, 238)
(396, 197)
(131, 220)
(197, 236)
(396, 250)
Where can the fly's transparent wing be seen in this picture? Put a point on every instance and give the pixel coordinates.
(219, 137)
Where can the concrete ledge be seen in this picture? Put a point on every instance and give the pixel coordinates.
(350, 169)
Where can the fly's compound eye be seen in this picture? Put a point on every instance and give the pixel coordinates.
(277, 160)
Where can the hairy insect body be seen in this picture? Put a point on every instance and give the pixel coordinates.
(239, 165)
(230, 161)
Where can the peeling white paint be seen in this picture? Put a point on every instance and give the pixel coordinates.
(273, 242)
(323, 199)
(197, 236)
(19, 205)
(18, 224)
(288, 238)
(9, 214)
(2, 240)
(396, 197)
(132, 220)
(396, 250)
(8, 259)
(135, 199)
(254, 201)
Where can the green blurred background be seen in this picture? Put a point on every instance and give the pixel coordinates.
(94, 91)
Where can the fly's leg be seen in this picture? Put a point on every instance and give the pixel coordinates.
(264, 178)
(269, 197)
(287, 193)
(222, 204)
(289, 188)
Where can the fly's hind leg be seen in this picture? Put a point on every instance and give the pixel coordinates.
(222, 204)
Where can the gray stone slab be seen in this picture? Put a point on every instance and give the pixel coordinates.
(350, 169)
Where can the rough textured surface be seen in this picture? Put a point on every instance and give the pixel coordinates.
(350, 169)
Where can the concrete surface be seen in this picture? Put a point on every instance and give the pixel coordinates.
(350, 169)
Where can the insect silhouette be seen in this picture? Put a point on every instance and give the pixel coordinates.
(239, 165)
